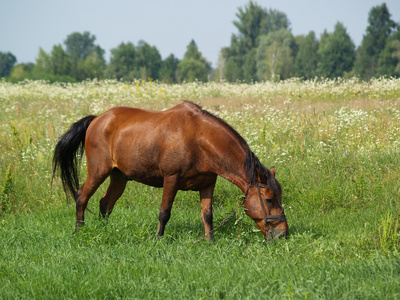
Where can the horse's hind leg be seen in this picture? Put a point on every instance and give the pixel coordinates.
(83, 195)
(114, 191)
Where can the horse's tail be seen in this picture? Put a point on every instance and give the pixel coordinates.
(66, 157)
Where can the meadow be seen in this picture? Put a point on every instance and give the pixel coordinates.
(335, 147)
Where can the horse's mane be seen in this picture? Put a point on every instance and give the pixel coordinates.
(252, 164)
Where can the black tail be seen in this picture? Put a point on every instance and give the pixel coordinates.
(66, 158)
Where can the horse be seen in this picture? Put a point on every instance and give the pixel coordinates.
(182, 148)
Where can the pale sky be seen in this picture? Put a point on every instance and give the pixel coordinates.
(26, 25)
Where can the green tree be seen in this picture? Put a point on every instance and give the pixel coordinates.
(379, 29)
(21, 71)
(249, 67)
(93, 66)
(193, 52)
(169, 68)
(43, 67)
(190, 70)
(232, 71)
(193, 66)
(252, 22)
(7, 62)
(336, 53)
(147, 61)
(53, 67)
(60, 61)
(389, 58)
(122, 62)
(275, 55)
(275, 21)
(79, 46)
(305, 64)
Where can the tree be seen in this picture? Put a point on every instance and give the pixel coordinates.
(275, 21)
(122, 62)
(43, 67)
(253, 22)
(60, 61)
(79, 47)
(275, 55)
(21, 71)
(193, 66)
(147, 61)
(193, 52)
(93, 66)
(7, 62)
(305, 63)
(389, 59)
(168, 71)
(379, 29)
(191, 70)
(53, 67)
(336, 53)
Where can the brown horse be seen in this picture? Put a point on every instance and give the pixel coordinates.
(183, 148)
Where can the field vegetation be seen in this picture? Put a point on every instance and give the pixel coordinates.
(335, 145)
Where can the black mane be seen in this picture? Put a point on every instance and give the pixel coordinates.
(252, 164)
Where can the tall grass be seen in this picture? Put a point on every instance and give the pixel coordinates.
(334, 144)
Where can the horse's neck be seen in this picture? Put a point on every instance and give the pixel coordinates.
(231, 166)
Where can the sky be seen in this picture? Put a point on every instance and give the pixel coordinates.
(170, 25)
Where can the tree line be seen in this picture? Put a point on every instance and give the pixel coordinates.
(263, 49)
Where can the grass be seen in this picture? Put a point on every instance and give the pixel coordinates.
(334, 144)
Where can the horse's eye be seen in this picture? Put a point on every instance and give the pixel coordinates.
(269, 200)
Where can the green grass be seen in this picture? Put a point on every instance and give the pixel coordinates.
(336, 153)
(121, 258)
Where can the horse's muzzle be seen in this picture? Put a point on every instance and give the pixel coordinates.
(273, 234)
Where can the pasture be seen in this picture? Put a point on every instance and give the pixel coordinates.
(335, 145)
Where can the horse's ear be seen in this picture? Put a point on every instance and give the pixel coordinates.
(272, 170)
(259, 176)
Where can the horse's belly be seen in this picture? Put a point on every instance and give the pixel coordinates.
(194, 183)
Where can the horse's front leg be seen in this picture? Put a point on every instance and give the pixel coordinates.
(169, 193)
(206, 195)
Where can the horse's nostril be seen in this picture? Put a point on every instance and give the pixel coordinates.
(273, 234)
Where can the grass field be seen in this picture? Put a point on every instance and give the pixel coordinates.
(334, 144)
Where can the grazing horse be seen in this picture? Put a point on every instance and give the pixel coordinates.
(183, 148)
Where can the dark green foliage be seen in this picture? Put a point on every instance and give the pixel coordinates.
(190, 70)
(7, 62)
(168, 71)
(380, 27)
(129, 62)
(147, 62)
(61, 62)
(122, 62)
(253, 22)
(21, 72)
(389, 59)
(336, 53)
(80, 47)
(275, 55)
(193, 66)
(305, 64)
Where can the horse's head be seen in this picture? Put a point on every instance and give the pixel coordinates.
(263, 205)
